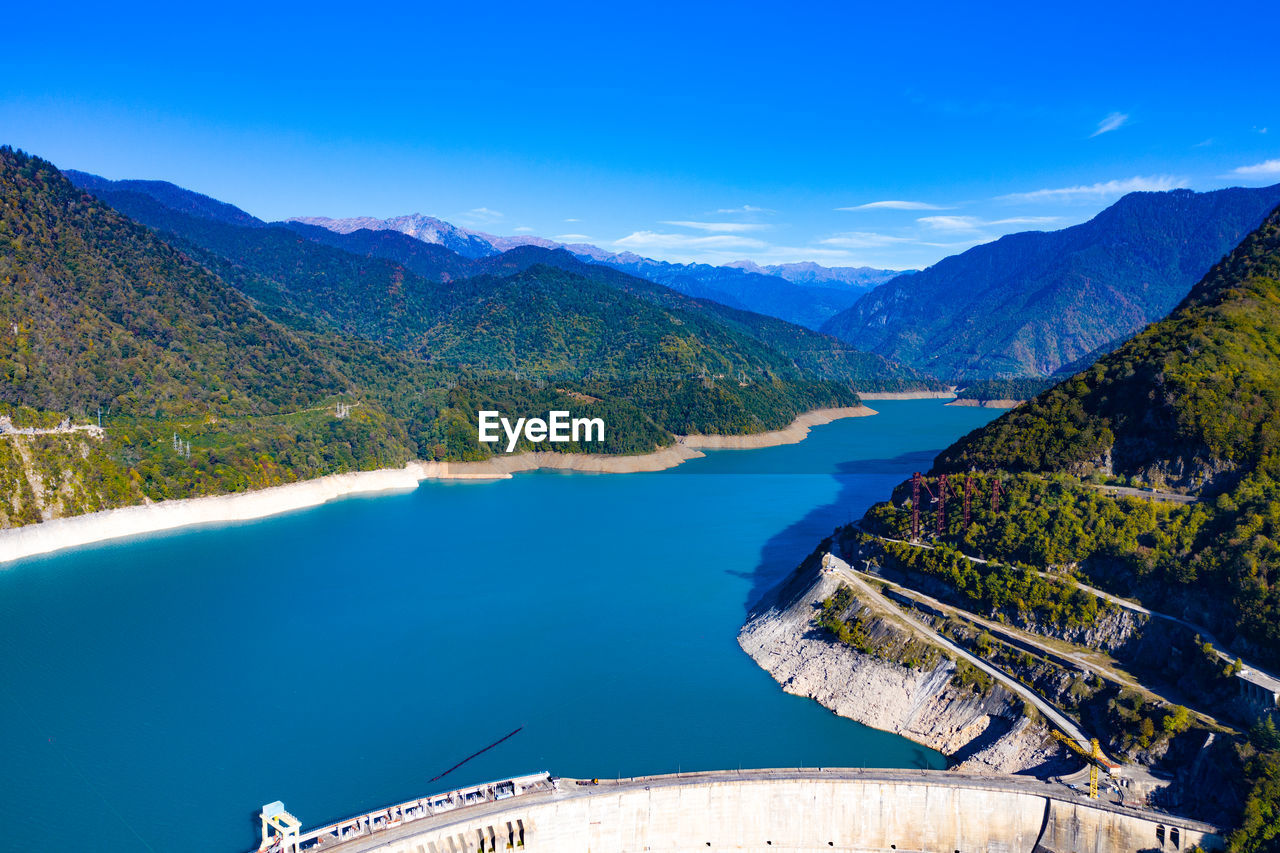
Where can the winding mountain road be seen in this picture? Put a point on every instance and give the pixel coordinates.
(849, 574)
(1206, 635)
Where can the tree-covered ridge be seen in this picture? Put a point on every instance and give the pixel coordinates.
(1003, 389)
(559, 321)
(805, 349)
(96, 312)
(366, 297)
(522, 316)
(270, 255)
(240, 356)
(1192, 401)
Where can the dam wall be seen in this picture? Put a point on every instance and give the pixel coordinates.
(795, 810)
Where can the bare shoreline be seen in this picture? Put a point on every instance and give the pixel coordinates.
(907, 395)
(57, 534)
(987, 404)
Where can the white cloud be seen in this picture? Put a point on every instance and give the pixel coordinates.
(727, 227)
(1259, 170)
(862, 240)
(1112, 122)
(571, 238)
(479, 216)
(746, 208)
(951, 223)
(522, 229)
(573, 220)
(894, 205)
(1102, 190)
(973, 223)
(649, 240)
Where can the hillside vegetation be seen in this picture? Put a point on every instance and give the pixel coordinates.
(399, 273)
(611, 334)
(235, 355)
(1190, 404)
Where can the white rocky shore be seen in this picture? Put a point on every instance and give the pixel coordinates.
(987, 404)
(793, 433)
(907, 395)
(977, 732)
(59, 533)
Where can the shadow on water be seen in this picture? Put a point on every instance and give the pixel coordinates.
(860, 483)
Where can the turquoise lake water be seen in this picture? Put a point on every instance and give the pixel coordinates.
(155, 692)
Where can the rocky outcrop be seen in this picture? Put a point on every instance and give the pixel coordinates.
(976, 731)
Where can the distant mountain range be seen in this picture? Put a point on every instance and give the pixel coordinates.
(220, 347)
(1029, 303)
(292, 267)
(804, 293)
(428, 229)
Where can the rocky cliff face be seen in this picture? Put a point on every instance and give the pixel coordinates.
(976, 731)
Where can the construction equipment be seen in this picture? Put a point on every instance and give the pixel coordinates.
(1093, 769)
(1094, 757)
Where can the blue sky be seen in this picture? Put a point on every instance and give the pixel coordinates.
(844, 133)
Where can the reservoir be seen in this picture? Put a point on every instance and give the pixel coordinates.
(339, 658)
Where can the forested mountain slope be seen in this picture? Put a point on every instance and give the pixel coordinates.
(822, 354)
(96, 311)
(373, 283)
(219, 358)
(1190, 404)
(1193, 401)
(1029, 303)
(170, 195)
(524, 319)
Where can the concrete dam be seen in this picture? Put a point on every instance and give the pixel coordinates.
(809, 810)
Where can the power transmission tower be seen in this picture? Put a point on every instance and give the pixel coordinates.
(915, 507)
(968, 498)
(940, 520)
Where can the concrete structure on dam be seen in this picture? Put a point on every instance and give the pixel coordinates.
(794, 810)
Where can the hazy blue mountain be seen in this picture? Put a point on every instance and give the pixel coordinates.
(170, 195)
(742, 288)
(1029, 303)
(816, 275)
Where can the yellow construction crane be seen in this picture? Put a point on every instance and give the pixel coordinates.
(1094, 757)
(1093, 769)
